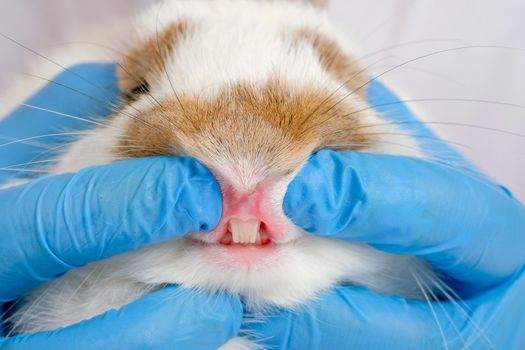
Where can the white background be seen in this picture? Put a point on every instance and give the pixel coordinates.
(496, 74)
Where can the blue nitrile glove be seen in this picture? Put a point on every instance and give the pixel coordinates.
(57, 223)
(464, 225)
(71, 102)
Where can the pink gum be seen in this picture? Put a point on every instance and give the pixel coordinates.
(247, 206)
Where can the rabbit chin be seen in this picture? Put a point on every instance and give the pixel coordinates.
(284, 275)
(271, 275)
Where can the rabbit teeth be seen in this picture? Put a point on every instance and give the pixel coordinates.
(245, 231)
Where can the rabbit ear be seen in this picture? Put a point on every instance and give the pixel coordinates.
(147, 60)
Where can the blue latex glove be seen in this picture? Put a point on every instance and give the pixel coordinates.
(57, 223)
(465, 226)
(69, 103)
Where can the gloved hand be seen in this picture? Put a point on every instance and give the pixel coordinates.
(465, 226)
(72, 102)
(57, 223)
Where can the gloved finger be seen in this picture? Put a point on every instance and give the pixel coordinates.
(171, 318)
(84, 91)
(356, 318)
(464, 226)
(60, 222)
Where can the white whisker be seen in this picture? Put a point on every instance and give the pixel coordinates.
(429, 302)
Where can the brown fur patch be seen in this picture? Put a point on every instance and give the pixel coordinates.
(148, 58)
(337, 63)
(278, 126)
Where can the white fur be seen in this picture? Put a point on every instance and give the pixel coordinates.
(295, 272)
(290, 276)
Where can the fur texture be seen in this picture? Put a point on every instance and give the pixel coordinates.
(251, 89)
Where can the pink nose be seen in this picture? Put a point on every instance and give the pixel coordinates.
(243, 206)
